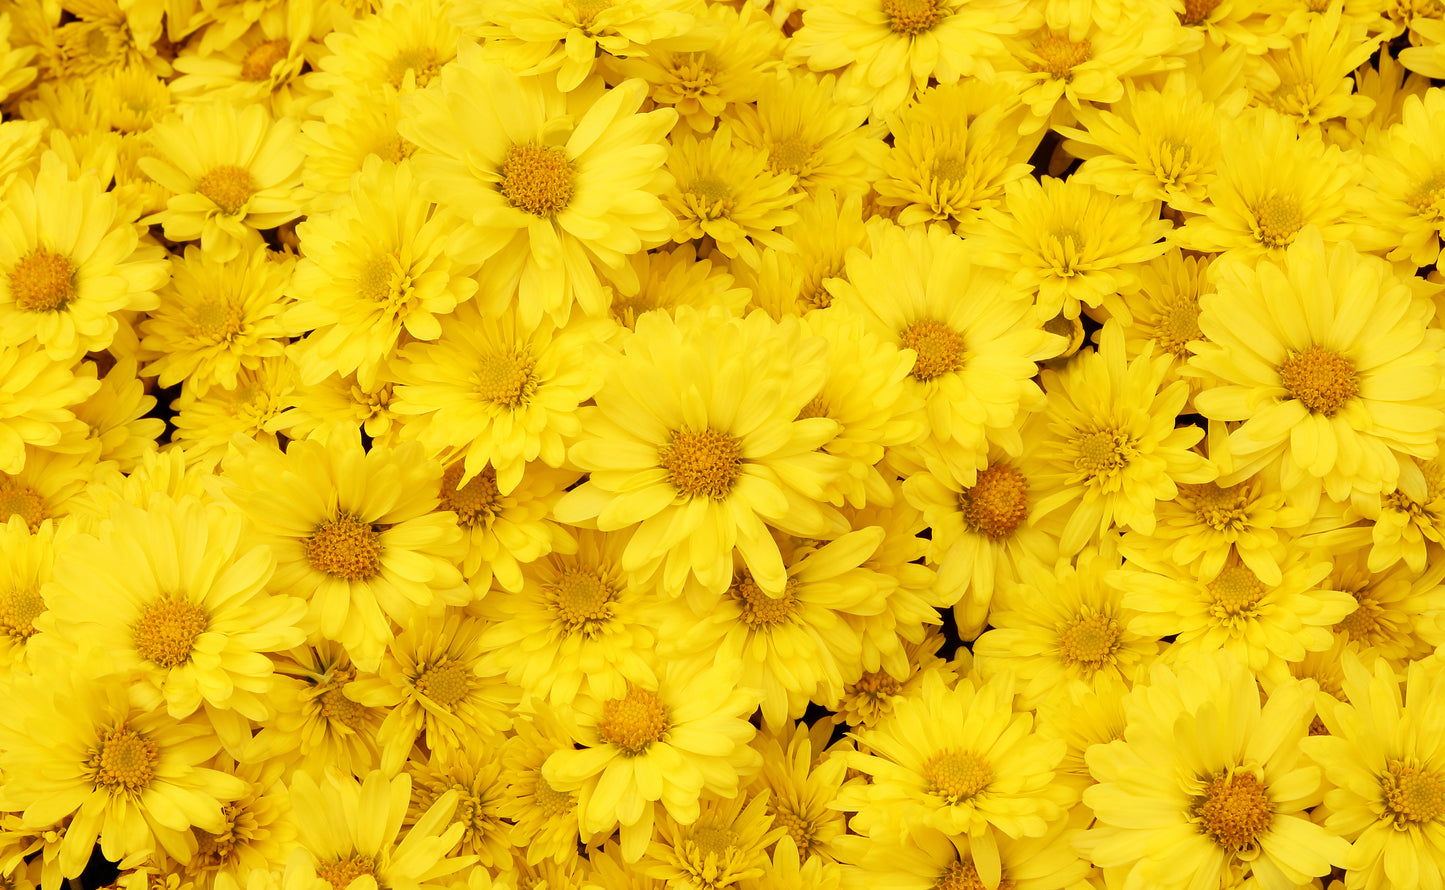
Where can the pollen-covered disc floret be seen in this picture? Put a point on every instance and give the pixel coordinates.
(634, 721)
(345, 547)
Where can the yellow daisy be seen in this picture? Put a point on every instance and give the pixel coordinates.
(724, 845)
(695, 438)
(38, 397)
(1406, 200)
(15, 73)
(553, 185)
(231, 174)
(404, 45)
(794, 281)
(263, 66)
(671, 277)
(117, 416)
(133, 99)
(256, 835)
(342, 404)
(49, 484)
(1404, 527)
(801, 776)
(1310, 80)
(353, 125)
(29, 565)
(544, 820)
(1327, 358)
(205, 425)
(1396, 612)
(1164, 312)
(475, 776)
(931, 859)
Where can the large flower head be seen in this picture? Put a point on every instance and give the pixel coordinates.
(553, 185)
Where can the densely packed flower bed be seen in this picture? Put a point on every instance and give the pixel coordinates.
(550, 444)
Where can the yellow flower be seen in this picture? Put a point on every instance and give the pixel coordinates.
(1327, 358)
(1397, 611)
(1404, 526)
(15, 73)
(929, 858)
(404, 46)
(257, 832)
(475, 775)
(801, 776)
(725, 844)
(206, 424)
(794, 281)
(117, 416)
(1406, 203)
(1164, 312)
(38, 397)
(553, 185)
(544, 820)
(263, 67)
(353, 126)
(50, 484)
(29, 565)
(675, 276)
(808, 130)
(342, 404)
(1310, 79)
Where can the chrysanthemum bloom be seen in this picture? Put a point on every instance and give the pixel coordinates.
(1383, 756)
(553, 185)
(1208, 787)
(1404, 527)
(216, 319)
(171, 597)
(577, 624)
(567, 36)
(342, 405)
(724, 190)
(205, 425)
(116, 416)
(354, 534)
(230, 172)
(802, 774)
(954, 149)
(1070, 243)
(353, 125)
(727, 843)
(1227, 22)
(793, 281)
(264, 66)
(499, 389)
(28, 566)
(929, 858)
(403, 45)
(76, 746)
(350, 832)
(1397, 612)
(48, 484)
(675, 276)
(1261, 624)
(1064, 633)
(257, 833)
(431, 683)
(1405, 202)
(794, 648)
(1164, 312)
(807, 130)
(665, 744)
(70, 263)
(544, 820)
(893, 47)
(1272, 181)
(475, 775)
(975, 339)
(961, 761)
(1309, 80)
(695, 442)
(38, 396)
(1328, 360)
(1111, 451)
(371, 269)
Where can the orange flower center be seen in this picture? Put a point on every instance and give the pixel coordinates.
(229, 187)
(1090, 640)
(701, 464)
(1233, 811)
(445, 682)
(957, 776)
(582, 600)
(422, 61)
(1222, 509)
(477, 502)
(1236, 592)
(997, 502)
(1058, 55)
(963, 876)
(537, 179)
(939, 348)
(1196, 12)
(19, 607)
(760, 611)
(912, 17)
(345, 547)
(124, 761)
(633, 722)
(216, 321)
(1277, 219)
(43, 281)
(1413, 795)
(167, 629)
(339, 873)
(506, 379)
(259, 61)
(19, 499)
(1321, 379)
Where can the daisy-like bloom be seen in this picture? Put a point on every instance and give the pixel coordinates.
(48, 484)
(695, 439)
(725, 844)
(76, 746)
(1310, 80)
(807, 130)
(794, 648)
(567, 36)
(1111, 451)
(793, 282)
(723, 61)
(671, 277)
(170, 596)
(1388, 772)
(263, 66)
(1328, 360)
(954, 149)
(666, 743)
(354, 533)
(1396, 611)
(1406, 202)
(726, 192)
(1208, 787)
(1273, 180)
(38, 396)
(403, 45)
(1164, 312)
(577, 624)
(553, 185)
(1070, 243)
(544, 820)
(431, 683)
(351, 831)
(475, 776)
(892, 47)
(1260, 624)
(231, 173)
(318, 725)
(961, 761)
(374, 267)
(342, 404)
(1065, 633)
(974, 337)
(801, 776)
(257, 832)
(216, 319)
(70, 263)
(28, 566)
(134, 99)
(930, 859)
(353, 125)
(116, 417)
(1404, 527)
(1157, 143)
(499, 389)
(205, 425)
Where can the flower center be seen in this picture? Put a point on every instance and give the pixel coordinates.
(167, 630)
(957, 776)
(334, 703)
(1236, 592)
(790, 155)
(587, 10)
(1428, 199)
(1103, 454)
(229, 187)
(713, 840)
(216, 321)
(1058, 56)
(506, 380)
(259, 61)
(549, 800)
(634, 721)
(422, 61)
(997, 502)
(383, 281)
(939, 348)
(19, 499)
(701, 464)
(760, 611)
(1368, 624)
(1233, 810)
(1322, 379)
(1277, 219)
(1412, 794)
(711, 189)
(445, 682)
(339, 873)
(1178, 324)
(123, 761)
(345, 547)
(1196, 12)
(1090, 641)
(911, 17)
(538, 179)
(43, 281)
(1222, 509)
(582, 600)
(964, 876)
(798, 826)
(19, 608)
(479, 501)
